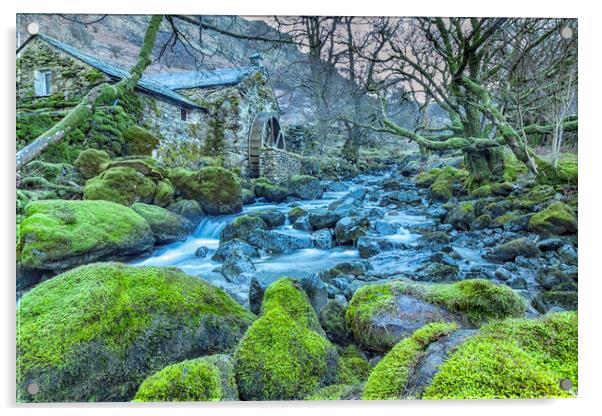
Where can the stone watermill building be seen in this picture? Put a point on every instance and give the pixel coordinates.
(229, 112)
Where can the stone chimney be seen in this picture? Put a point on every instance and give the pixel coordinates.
(255, 59)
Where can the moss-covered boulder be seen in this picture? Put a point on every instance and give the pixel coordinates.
(382, 314)
(509, 250)
(96, 332)
(270, 191)
(121, 184)
(164, 194)
(512, 359)
(187, 208)
(91, 162)
(389, 378)
(242, 227)
(58, 234)
(462, 216)
(332, 319)
(295, 213)
(167, 227)
(284, 354)
(139, 141)
(556, 219)
(337, 392)
(215, 189)
(209, 378)
(305, 187)
(353, 367)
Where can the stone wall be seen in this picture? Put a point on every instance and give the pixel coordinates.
(278, 165)
(71, 78)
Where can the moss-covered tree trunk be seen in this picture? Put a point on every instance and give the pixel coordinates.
(103, 94)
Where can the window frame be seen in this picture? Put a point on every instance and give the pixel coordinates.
(45, 75)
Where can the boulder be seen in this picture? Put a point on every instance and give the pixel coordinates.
(556, 219)
(274, 242)
(236, 264)
(349, 229)
(284, 355)
(295, 213)
(189, 209)
(323, 219)
(121, 184)
(167, 227)
(91, 162)
(96, 332)
(461, 217)
(248, 197)
(209, 378)
(322, 239)
(60, 234)
(369, 246)
(568, 254)
(332, 319)
(496, 361)
(272, 217)
(216, 189)
(380, 315)
(509, 250)
(201, 252)
(242, 227)
(225, 249)
(270, 191)
(305, 187)
(164, 194)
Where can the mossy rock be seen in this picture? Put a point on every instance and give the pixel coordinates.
(332, 319)
(462, 216)
(337, 392)
(295, 213)
(242, 227)
(389, 378)
(270, 191)
(167, 226)
(557, 219)
(509, 250)
(164, 193)
(353, 367)
(96, 332)
(524, 358)
(426, 179)
(284, 354)
(123, 185)
(380, 315)
(216, 189)
(187, 208)
(305, 187)
(209, 378)
(58, 234)
(513, 168)
(91, 162)
(139, 141)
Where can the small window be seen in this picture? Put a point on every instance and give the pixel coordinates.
(183, 114)
(42, 83)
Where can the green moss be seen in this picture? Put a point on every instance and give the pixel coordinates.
(353, 367)
(167, 226)
(426, 179)
(388, 379)
(272, 192)
(241, 227)
(557, 219)
(337, 392)
(164, 194)
(121, 184)
(513, 167)
(366, 301)
(139, 141)
(115, 323)
(208, 378)
(91, 162)
(512, 359)
(55, 231)
(215, 189)
(295, 213)
(282, 356)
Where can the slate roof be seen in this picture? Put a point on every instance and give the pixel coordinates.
(146, 84)
(205, 79)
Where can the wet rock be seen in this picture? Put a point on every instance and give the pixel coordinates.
(305, 187)
(550, 244)
(556, 219)
(225, 249)
(323, 219)
(355, 268)
(510, 250)
(236, 264)
(272, 217)
(371, 246)
(167, 227)
(410, 169)
(248, 197)
(295, 213)
(242, 227)
(344, 206)
(436, 272)
(401, 198)
(274, 242)
(481, 222)
(390, 184)
(502, 274)
(302, 224)
(517, 282)
(461, 217)
(384, 227)
(201, 252)
(349, 229)
(322, 239)
(568, 254)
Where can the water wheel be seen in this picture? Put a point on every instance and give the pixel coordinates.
(265, 132)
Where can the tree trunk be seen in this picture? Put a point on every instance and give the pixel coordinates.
(484, 165)
(100, 94)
